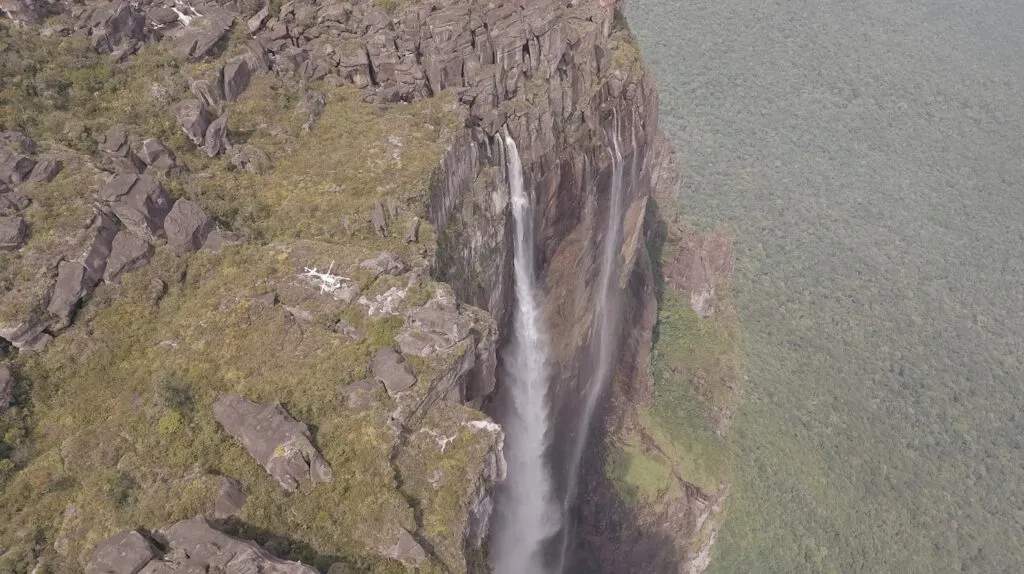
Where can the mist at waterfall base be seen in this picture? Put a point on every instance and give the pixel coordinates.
(527, 514)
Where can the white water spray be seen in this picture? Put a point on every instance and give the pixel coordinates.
(607, 319)
(528, 514)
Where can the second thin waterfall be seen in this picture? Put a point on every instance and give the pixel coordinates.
(527, 512)
(606, 326)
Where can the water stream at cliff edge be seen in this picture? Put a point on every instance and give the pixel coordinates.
(607, 319)
(527, 512)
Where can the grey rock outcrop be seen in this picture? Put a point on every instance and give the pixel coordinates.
(217, 137)
(18, 141)
(29, 335)
(139, 201)
(387, 263)
(234, 79)
(156, 155)
(196, 547)
(12, 201)
(126, 552)
(193, 547)
(22, 12)
(199, 38)
(76, 279)
(118, 27)
(128, 252)
(209, 93)
(249, 158)
(390, 368)
(230, 499)
(379, 220)
(281, 444)
(69, 289)
(405, 550)
(194, 118)
(14, 167)
(13, 231)
(116, 145)
(46, 169)
(362, 393)
(187, 226)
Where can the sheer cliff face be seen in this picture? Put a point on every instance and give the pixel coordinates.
(563, 90)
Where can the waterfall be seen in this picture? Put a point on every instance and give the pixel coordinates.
(527, 512)
(605, 325)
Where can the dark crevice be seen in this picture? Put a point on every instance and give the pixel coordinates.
(370, 66)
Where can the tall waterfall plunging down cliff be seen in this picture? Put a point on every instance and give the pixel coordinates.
(605, 328)
(527, 512)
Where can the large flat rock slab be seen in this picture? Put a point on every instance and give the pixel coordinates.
(281, 444)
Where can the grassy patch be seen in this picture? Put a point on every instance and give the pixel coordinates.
(124, 435)
(638, 476)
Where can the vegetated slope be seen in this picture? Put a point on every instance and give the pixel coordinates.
(111, 425)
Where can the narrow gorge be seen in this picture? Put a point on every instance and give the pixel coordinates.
(270, 271)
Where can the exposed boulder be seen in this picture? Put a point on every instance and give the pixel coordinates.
(217, 137)
(405, 550)
(193, 547)
(46, 169)
(29, 334)
(6, 389)
(14, 167)
(209, 93)
(277, 441)
(199, 38)
(187, 226)
(343, 327)
(256, 56)
(234, 79)
(76, 279)
(115, 141)
(362, 393)
(161, 17)
(156, 155)
(387, 263)
(13, 231)
(127, 253)
(18, 141)
(230, 499)
(12, 201)
(67, 291)
(196, 547)
(116, 144)
(429, 330)
(22, 12)
(102, 230)
(249, 158)
(255, 23)
(194, 118)
(265, 301)
(139, 201)
(118, 27)
(390, 368)
(126, 552)
(379, 220)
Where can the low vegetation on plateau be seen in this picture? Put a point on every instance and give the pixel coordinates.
(111, 427)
